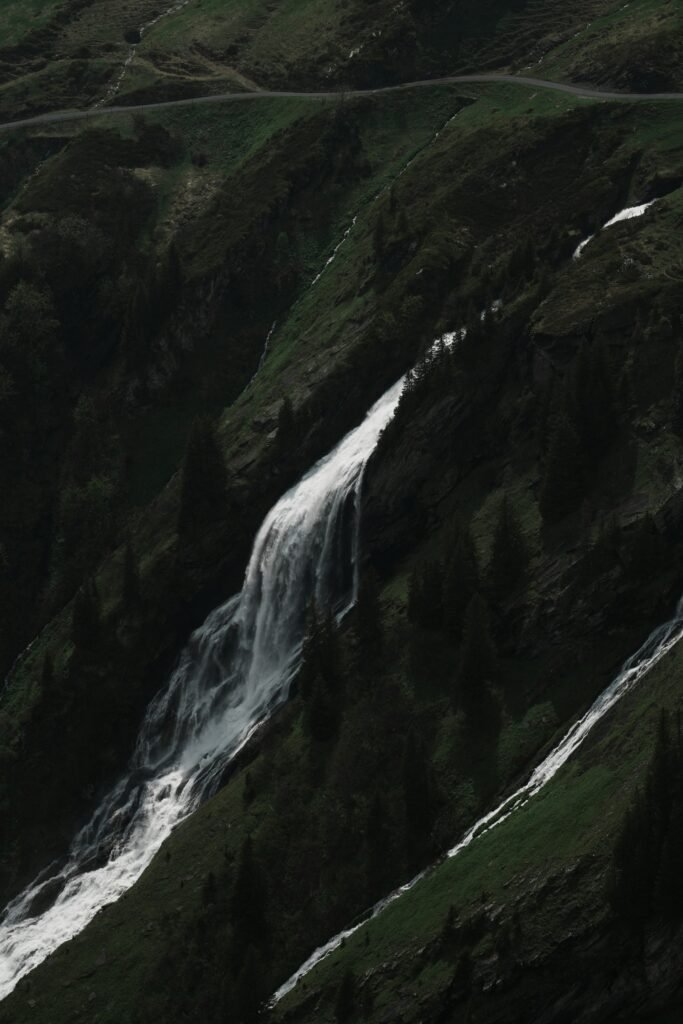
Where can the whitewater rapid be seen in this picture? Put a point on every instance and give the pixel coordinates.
(656, 647)
(630, 213)
(235, 670)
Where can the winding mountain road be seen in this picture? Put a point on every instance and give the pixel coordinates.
(583, 91)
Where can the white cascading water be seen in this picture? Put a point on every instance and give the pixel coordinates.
(630, 213)
(657, 646)
(235, 670)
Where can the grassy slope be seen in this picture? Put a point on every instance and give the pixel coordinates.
(208, 47)
(576, 817)
(297, 353)
(198, 846)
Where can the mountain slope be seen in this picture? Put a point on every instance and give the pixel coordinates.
(197, 305)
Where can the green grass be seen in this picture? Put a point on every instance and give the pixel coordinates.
(577, 814)
(19, 17)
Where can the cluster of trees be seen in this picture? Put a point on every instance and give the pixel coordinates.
(577, 424)
(203, 484)
(456, 595)
(646, 880)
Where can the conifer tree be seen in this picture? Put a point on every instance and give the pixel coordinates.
(379, 842)
(251, 992)
(368, 615)
(509, 553)
(461, 583)
(418, 795)
(563, 481)
(285, 424)
(478, 658)
(203, 485)
(425, 596)
(346, 997)
(47, 675)
(677, 395)
(594, 400)
(130, 587)
(248, 902)
(85, 617)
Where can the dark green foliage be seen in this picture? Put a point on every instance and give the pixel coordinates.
(130, 585)
(47, 675)
(677, 393)
(564, 471)
(425, 596)
(368, 618)
(248, 902)
(509, 553)
(346, 997)
(646, 872)
(461, 583)
(251, 988)
(418, 794)
(478, 657)
(85, 617)
(320, 677)
(286, 424)
(203, 486)
(596, 415)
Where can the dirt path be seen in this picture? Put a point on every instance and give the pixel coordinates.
(258, 94)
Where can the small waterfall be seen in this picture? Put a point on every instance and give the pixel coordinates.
(657, 646)
(630, 213)
(114, 89)
(235, 670)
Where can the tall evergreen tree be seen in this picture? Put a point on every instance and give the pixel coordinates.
(346, 997)
(203, 485)
(248, 902)
(478, 658)
(251, 991)
(564, 471)
(47, 675)
(425, 596)
(130, 586)
(461, 583)
(85, 617)
(368, 617)
(509, 553)
(677, 394)
(418, 794)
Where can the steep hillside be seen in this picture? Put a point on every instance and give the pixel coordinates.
(85, 53)
(196, 305)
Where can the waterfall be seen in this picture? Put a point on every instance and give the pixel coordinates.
(235, 670)
(662, 640)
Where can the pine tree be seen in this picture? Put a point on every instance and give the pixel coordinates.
(418, 796)
(509, 553)
(248, 903)
(563, 482)
(346, 997)
(461, 583)
(47, 675)
(425, 596)
(320, 677)
(251, 991)
(85, 617)
(478, 659)
(379, 843)
(677, 394)
(286, 422)
(203, 486)
(594, 400)
(130, 587)
(379, 236)
(368, 616)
